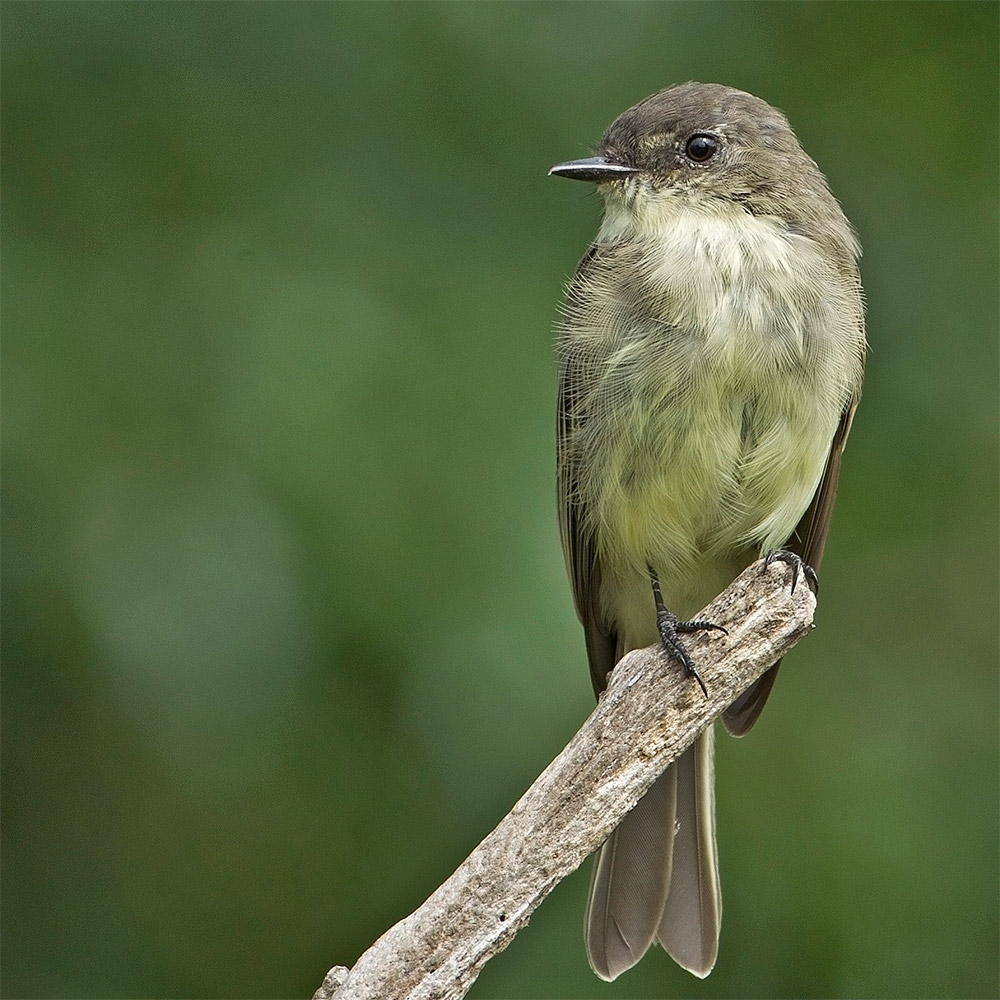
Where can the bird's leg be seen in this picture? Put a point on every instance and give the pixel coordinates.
(671, 628)
(797, 563)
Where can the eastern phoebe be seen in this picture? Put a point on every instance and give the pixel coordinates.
(710, 362)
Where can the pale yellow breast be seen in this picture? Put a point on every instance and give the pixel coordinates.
(711, 399)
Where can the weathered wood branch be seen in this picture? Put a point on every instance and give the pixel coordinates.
(648, 716)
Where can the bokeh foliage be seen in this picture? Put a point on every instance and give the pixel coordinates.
(285, 628)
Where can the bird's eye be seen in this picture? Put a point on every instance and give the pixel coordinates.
(701, 147)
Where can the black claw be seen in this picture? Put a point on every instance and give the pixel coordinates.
(700, 627)
(797, 563)
(671, 627)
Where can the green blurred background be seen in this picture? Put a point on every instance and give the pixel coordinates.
(286, 629)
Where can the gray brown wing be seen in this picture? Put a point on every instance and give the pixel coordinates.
(578, 545)
(807, 541)
(579, 548)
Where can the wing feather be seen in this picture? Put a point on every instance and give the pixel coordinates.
(808, 541)
(579, 548)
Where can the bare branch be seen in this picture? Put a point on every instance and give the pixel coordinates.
(648, 716)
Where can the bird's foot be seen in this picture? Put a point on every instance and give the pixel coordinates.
(798, 565)
(671, 628)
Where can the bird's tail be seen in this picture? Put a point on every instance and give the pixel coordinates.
(657, 875)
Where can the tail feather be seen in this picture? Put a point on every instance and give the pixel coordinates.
(689, 926)
(629, 885)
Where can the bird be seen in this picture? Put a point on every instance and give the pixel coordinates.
(710, 360)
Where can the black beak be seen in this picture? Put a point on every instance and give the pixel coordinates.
(593, 168)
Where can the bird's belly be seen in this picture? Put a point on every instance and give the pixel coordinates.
(708, 377)
(695, 487)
